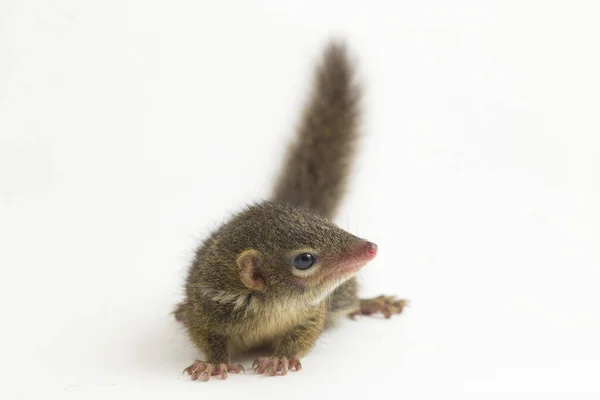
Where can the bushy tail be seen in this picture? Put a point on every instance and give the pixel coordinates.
(315, 173)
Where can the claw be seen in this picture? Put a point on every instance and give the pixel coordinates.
(222, 371)
(207, 372)
(262, 367)
(273, 367)
(192, 368)
(295, 362)
(237, 368)
(196, 374)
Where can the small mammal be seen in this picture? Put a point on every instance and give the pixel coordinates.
(276, 272)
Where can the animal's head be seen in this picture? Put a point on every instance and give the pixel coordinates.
(286, 251)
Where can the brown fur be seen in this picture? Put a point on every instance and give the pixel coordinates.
(315, 174)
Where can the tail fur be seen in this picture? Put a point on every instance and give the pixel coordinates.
(315, 172)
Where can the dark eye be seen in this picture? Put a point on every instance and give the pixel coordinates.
(304, 261)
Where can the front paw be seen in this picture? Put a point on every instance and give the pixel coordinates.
(272, 365)
(204, 370)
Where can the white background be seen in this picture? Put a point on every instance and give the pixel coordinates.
(131, 128)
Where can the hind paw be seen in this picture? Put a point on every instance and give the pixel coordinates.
(387, 305)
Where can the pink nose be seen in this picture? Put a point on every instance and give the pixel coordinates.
(372, 249)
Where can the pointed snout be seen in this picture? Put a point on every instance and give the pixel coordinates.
(355, 257)
(371, 249)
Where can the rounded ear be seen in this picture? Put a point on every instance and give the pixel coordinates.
(249, 262)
